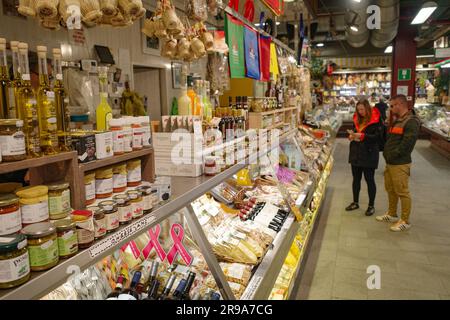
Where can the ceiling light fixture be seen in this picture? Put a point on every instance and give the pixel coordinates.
(357, 1)
(354, 27)
(388, 49)
(425, 12)
(320, 44)
(426, 56)
(288, 0)
(278, 23)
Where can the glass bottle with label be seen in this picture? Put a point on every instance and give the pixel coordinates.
(61, 101)
(104, 111)
(4, 81)
(15, 83)
(46, 107)
(168, 287)
(28, 105)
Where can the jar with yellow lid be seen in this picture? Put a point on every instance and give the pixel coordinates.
(119, 177)
(99, 221)
(59, 200)
(111, 214)
(104, 183)
(85, 228)
(67, 238)
(89, 185)
(14, 261)
(136, 203)
(12, 140)
(134, 173)
(33, 204)
(42, 245)
(124, 208)
(10, 217)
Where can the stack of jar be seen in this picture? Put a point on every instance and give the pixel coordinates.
(130, 134)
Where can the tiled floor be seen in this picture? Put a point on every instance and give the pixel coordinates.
(414, 264)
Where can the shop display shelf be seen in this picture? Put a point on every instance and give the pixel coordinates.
(6, 167)
(184, 191)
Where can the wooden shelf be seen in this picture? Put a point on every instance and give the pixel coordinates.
(6, 167)
(115, 159)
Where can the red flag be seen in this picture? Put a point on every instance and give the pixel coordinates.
(264, 57)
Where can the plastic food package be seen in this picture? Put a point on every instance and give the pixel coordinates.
(197, 10)
(237, 272)
(218, 73)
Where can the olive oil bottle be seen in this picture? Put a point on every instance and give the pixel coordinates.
(28, 105)
(46, 107)
(103, 112)
(61, 101)
(4, 81)
(15, 83)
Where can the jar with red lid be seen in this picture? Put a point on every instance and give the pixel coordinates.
(210, 166)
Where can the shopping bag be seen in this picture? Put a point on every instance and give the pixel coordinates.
(273, 61)
(234, 32)
(264, 57)
(251, 53)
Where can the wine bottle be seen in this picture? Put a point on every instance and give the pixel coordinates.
(166, 291)
(46, 107)
(176, 295)
(189, 283)
(153, 291)
(131, 293)
(153, 272)
(4, 81)
(117, 290)
(214, 296)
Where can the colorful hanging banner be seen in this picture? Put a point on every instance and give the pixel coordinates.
(264, 57)
(276, 6)
(234, 31)
(251, 53)
(274, 61)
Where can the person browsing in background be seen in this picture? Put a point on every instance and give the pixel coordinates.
(402, 135)
(364, 152)
(382, 108)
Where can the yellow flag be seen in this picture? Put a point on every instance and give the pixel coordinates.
(273, 61)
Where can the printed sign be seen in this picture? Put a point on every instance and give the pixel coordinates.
(404, 74)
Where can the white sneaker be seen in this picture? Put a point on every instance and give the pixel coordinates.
(386, 218)
(400, 226)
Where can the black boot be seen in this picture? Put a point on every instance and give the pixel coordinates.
(352, 206)
(370, 211)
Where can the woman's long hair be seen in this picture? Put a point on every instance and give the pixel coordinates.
(366, 119)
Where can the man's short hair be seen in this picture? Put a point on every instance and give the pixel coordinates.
(401, 98)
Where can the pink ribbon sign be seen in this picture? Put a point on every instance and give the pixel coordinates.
(134, 249)
(177, 234)
(154, 243)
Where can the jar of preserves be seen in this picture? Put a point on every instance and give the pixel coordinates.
(210, 166)
(14, 261)
(12, 140)
(33, 204)
(147, 199)
(116, 126)
(136, 203)
(89, 184)
(67, 237)
(104, 183)
(124, 208)
(137, 133)
(85, 228)
(111, 214)
(134, 178)
(155, 197)
(146, 131)
(42, 245)
(10, 217)
(99, 222)
(119, 177)
(58, 200)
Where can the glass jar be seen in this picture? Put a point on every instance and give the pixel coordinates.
(14, 261)
(210, 166)
(136, 203)
(127, 135)
(146, 130)
(104, 183)
(99, 222)
(147, 199)
(10, 217)
(85, 228)
(120, 178)
(67, 238)
(89, 184)
(116, 126)
(12, 140)
(111, 214)
(124, 208)
(42, 245)
(58, 200)
(137, 133)
(33, 204)
(134, 178)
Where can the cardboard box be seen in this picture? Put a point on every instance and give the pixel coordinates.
(104, 145)
(85, 146)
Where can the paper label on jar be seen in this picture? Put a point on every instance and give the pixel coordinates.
(100, 227)
(13, 145)
(59, 204)
(15, 268)
(146, 136)
(125, 213)
(137, 137)
(118, 141)
(43, 254)
(119, 180)
(10, 222)
(112, 221)
(137, 209)
(90, 190)
(134, 175)
(128, 140)
(147, 202)
(68, 243)
(103, 186)
(85, 236)
(32, 213)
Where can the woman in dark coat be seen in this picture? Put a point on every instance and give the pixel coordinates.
(364, 152)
